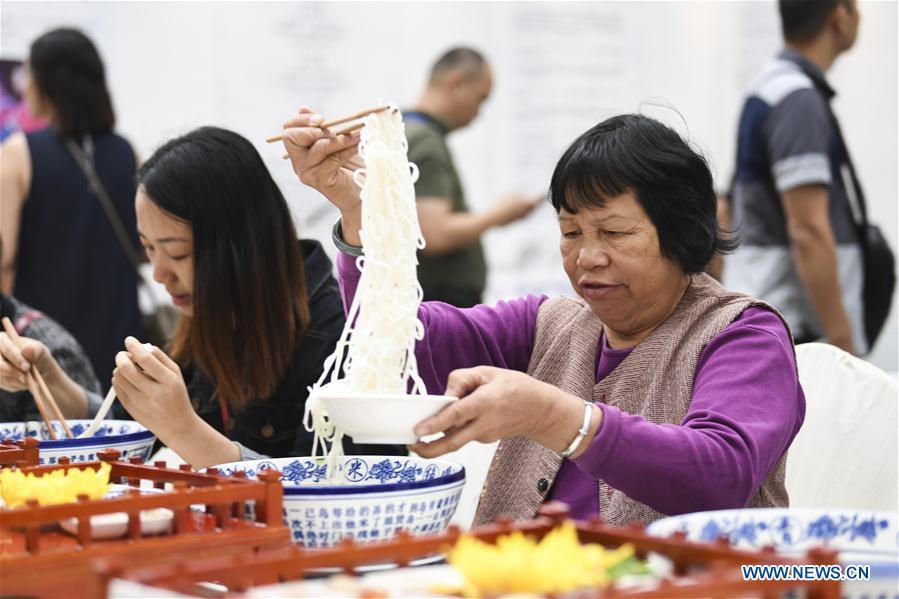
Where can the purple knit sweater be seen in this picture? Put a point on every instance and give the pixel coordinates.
(747, 405)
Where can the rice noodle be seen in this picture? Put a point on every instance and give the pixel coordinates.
(376, 351)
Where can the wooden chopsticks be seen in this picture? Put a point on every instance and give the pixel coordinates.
(36, 385)
(340, 121)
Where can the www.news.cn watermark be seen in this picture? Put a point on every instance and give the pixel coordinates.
(805, 572)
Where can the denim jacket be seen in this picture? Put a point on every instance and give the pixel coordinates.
(273, 427)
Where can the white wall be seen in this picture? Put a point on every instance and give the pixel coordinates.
(560, 68)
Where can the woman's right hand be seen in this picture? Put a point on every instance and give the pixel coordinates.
(150, 386)
(324, 161)
(16, 363)
(68, 394)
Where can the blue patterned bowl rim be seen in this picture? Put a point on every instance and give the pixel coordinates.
(888, 519)
(437, 481)
(140, 435)
(372, 489)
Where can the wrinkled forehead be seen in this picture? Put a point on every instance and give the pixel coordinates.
(588, 193)
(624, 206)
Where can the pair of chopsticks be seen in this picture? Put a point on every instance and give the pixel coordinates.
(340, 121)
(37, 386)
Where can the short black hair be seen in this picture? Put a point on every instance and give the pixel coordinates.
(671, 181)
(69, 73)
(468, 58)
(802, 20)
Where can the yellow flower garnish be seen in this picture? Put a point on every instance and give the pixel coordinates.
(59, 486)
(518, 564)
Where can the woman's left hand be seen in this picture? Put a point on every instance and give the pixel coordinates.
(150, 386)
(497, 403)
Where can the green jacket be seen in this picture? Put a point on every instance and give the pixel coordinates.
(463, 272)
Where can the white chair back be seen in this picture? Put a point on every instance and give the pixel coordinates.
(846, 455)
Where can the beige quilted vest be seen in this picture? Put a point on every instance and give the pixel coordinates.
(655, 380)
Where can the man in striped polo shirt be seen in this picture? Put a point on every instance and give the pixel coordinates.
(800, 248)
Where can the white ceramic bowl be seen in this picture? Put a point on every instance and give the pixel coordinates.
(128, 436)
(379, 418)
(379, 496)
(110, 526)
(861, 537)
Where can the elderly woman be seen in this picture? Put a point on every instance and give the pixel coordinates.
(655, 392)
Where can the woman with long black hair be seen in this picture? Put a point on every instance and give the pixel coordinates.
(260, 309)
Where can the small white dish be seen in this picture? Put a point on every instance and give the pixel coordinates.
(111, 526)
(379, 418)
(418, 581)
(382, 566)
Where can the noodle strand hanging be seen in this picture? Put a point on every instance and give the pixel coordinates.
(376, 351)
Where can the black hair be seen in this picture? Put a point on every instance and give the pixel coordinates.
(672, 182)
(69, 74)
(802, 20)
(249, 294)
(468, 58)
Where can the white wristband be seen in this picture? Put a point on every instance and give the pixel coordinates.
(585, 427)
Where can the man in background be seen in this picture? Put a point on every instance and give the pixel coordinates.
(452, 267)
(800, 247)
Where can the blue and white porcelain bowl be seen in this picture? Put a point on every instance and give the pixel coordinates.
(128, 436)
(378, 496)
(860, 536)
